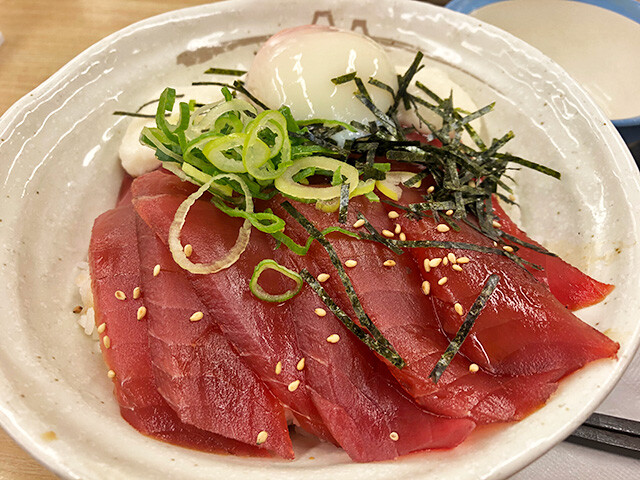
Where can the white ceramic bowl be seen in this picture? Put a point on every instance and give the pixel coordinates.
(59, 170)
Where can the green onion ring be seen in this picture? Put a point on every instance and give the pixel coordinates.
(259, 292)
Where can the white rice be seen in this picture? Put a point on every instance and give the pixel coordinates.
(86, 319)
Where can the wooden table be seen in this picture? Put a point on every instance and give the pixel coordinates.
(40, 36)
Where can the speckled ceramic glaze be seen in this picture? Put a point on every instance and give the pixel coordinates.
(59, 170)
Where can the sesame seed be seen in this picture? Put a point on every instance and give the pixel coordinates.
(321, 312)
(472, 184)
(196, 317)
(452, 257)
(431, 189)
(323, 277)
(445, 261)
(397, 229)
(457, 268)
(358, 223)
(136, 293)
(387, 233)
(393, 214)
(350, 263)
(188, 250)
(507, 248)
(495, 244)
(442, 228)
(394, 436)
(120, 295)
(111, 374)
(496, 224)
(427, 267)
(262, 437)
(102, 327)
(293, 386)
(335, 338)
(462, 260)
(300, 365)
(426, 287)
(473, 368)
(434, 262)
(458, 308)
(402, 237)
(156, 270)
(78, 309)
(106, 341)
(442, 281)
(142, 311)
(448, 213)
(389, 263)
(278, 368)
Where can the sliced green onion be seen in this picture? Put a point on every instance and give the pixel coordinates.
(264, 221)
(288, 186)
(256, 153)
(152, 136)
(203, 178)
(259, 292)
(177, 250)
(203, 118)
(228, 123)
(302, 250)
(216, 148)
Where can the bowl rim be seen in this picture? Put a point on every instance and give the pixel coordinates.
(22, 437)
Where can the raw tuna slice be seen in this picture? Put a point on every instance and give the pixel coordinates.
(196, 370)
(363, 405)
(573, 288)
(523, 329)
(256, 329)
(115, 267)
(393, 298)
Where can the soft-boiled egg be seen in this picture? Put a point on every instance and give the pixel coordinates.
(295, 68)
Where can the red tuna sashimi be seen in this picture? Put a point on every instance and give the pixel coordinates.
(358, 399)
(523, 329)
(115, 267)
(569, 285)
(196, 370)
(255, 328)
(392, 297)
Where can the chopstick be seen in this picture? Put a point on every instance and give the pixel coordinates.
(608, 433)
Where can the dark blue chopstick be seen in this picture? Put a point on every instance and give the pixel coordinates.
(613, 434)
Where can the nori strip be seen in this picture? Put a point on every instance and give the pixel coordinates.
(346, 78)
(225, 71)
(344, 203)
(528, 245)
(465, 328)
(353, 327)
(363, 318)
(377, 237)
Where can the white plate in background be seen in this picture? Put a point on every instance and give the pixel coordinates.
(59, 170)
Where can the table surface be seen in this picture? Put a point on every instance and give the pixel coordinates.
(39, 38)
